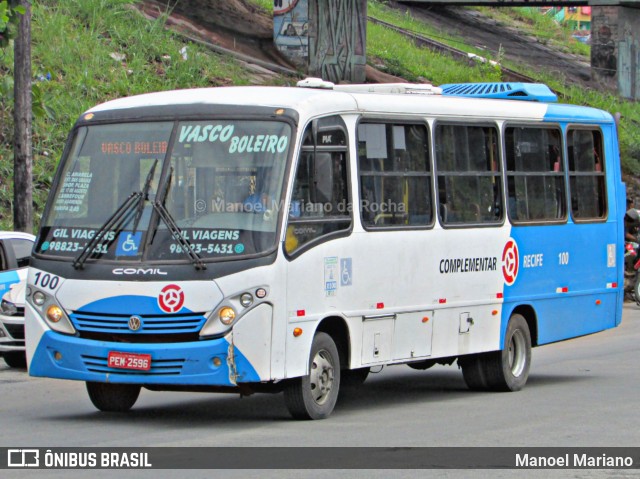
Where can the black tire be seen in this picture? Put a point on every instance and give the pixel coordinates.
(110, 397)
(636, 289)
(473, 372)
(351, 378)
(17, 359)
(506, 370)
(314, 396)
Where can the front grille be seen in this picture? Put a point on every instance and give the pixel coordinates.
(140, 338)
(118, 324)
(16, 331)
(159, 367)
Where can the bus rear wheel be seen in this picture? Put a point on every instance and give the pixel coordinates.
(110, 397)
(352, 378)
(314, 396)
(505, 370)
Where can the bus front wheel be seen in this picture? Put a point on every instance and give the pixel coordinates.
(314, 396)
(110, 397)
(505, 370)
(15, 359)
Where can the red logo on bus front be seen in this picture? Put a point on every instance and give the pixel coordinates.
(171, 298)
(510, 262)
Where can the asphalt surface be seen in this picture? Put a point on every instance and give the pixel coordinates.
(582, 392)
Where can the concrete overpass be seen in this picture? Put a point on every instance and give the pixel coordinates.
(327, 38)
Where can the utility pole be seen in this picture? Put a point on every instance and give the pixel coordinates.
(22, 143)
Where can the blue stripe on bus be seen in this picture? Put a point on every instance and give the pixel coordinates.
(581, 114)
(564, 279)
(126, 305)
(111, 315)
(171, 363)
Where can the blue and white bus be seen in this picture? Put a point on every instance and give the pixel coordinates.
(272, 239)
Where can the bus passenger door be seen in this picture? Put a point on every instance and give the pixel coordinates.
(318, 224)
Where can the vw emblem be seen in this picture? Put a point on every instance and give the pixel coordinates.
(135, 323)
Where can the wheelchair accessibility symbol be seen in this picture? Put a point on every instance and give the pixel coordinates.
(346, 272)
(128, 243)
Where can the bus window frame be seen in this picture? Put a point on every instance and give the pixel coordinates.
(176, 119)
(501, 173)
(394, 120)
(563, 149)
(292, 168)
(587, 127)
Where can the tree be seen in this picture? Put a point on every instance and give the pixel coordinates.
(22, 114)
(9, 9)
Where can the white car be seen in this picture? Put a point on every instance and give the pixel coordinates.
(15, 252)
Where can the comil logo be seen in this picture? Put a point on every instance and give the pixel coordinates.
(23, 458)
(171, 298)
(510, 262)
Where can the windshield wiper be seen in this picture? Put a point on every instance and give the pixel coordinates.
(119, 218)
(176, 232)
(145, 195)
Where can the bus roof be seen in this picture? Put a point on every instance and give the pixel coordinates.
(311, 102)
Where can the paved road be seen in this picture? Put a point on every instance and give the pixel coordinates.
(582, 392)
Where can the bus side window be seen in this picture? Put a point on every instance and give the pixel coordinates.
(535, 174)
(586, 175)
(468, 174)
(395, 175)
(320, 200)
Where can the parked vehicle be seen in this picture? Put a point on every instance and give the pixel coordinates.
(632, 271)
(15, 253)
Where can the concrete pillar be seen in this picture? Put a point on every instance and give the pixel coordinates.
(325, 38)
(615, 49)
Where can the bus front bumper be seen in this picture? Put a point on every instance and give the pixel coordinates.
(204, 363)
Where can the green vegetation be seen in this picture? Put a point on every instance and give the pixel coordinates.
(94, 51)
(530, 21)
(391, 52)
(266, 5)
(395, 54)
(89, 51)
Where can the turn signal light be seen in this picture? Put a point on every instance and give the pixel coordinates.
(227, 315)
(54, 313)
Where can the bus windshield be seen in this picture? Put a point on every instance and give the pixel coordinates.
(221, 183)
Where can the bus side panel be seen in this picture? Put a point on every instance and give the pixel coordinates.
(567, 274)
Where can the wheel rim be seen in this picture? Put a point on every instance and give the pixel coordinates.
(517, 353)
(321, 377)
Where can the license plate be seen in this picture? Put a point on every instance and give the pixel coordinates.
(141, 362)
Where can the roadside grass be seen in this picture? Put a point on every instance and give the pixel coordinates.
(397, 55)
(94, 51)
(529, 20)
(266, 5)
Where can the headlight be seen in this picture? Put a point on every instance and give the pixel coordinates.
(246, 300)
(8, 308)
(39, 298)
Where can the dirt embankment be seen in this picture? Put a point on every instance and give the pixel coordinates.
(242, 27)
